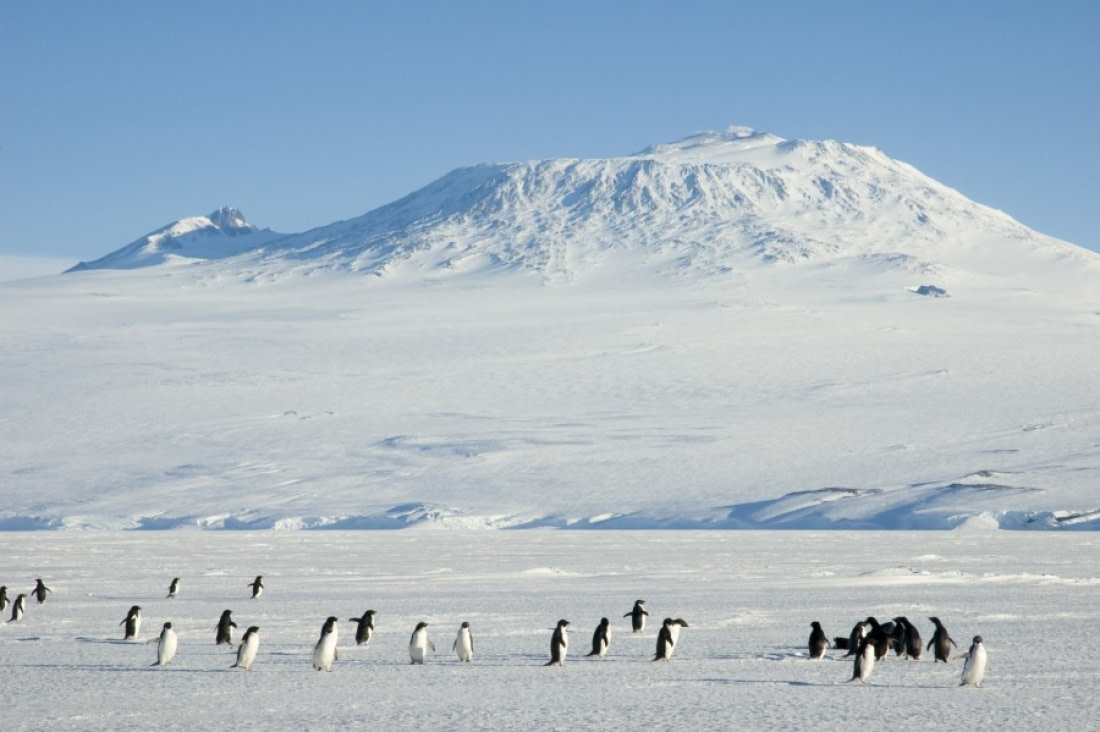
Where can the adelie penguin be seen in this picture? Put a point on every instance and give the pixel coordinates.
(667, 638)
(942, 642)
(878, 637)
(559, 644)
(166, 645)
(4, 601)
(224, 634)
(818, 642)
(911, 642)
(637, 616)
(976, 664)
(364, 628)
(324, 653)
(865, 661)
(419, 643)
(132, 621)
(18, 608)
(257, 586)
(40, 591)
(246, 650)
(859, 631)
(173, 588)
(601, 639)
(464, 643)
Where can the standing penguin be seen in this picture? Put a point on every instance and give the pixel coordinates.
(364, 628)
(559, 644)
(4, 601)
(419, 643)
(464, 643)
(40, 591)
(859, 631)
(941, 639)
(601, 639)
(246, 650)
(324, 653)
(976, 664)
(174, 587)
(818, 641)
(257, 586)
(225, 629)
(877, 635)
(637, 616)
(865, 661)
(132, 623)
(912, 643)
(166, 645)
(667, 638)
(18, 608)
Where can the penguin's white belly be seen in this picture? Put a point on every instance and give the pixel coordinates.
(166, 649)
(464, 648)
(867, 662)
(974, 669)
(325, 652)
(246, 654)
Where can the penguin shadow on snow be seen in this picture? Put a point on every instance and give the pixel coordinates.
(111, 641)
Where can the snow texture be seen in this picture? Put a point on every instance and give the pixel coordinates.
(748, 598)
(717, 333)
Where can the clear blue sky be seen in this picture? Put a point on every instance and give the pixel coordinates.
(120, 116)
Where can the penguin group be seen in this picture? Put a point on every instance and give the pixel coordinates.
(870, 642)
(18, 607)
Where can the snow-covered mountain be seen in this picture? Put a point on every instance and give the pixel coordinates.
(706, 204)
(223, 233)
(730, 331)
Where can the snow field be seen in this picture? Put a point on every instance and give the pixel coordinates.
(749, 598)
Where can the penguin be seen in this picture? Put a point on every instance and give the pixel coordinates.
(173, 587)
(40, 590)
(224, 633)
(818, 641)
(637, 616)
(464, 644)
(166, 645)
(896, 632)
(941, 639)
(246, 649)
(4, 601)
(18, 608)
(324, 653)
(559, 644)
(257, 586)
(419, 643)
(859, 631)
(132, 623)
(975, 665)
(601, 640)
(911, 645)
(865, 661)
(667, 638)
(364, 630)
(879, 637)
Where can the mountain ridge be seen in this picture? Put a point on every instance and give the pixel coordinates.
(708, 203)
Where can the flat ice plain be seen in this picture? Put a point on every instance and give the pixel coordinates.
(748, 596)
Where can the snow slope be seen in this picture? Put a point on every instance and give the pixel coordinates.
(732, 331)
